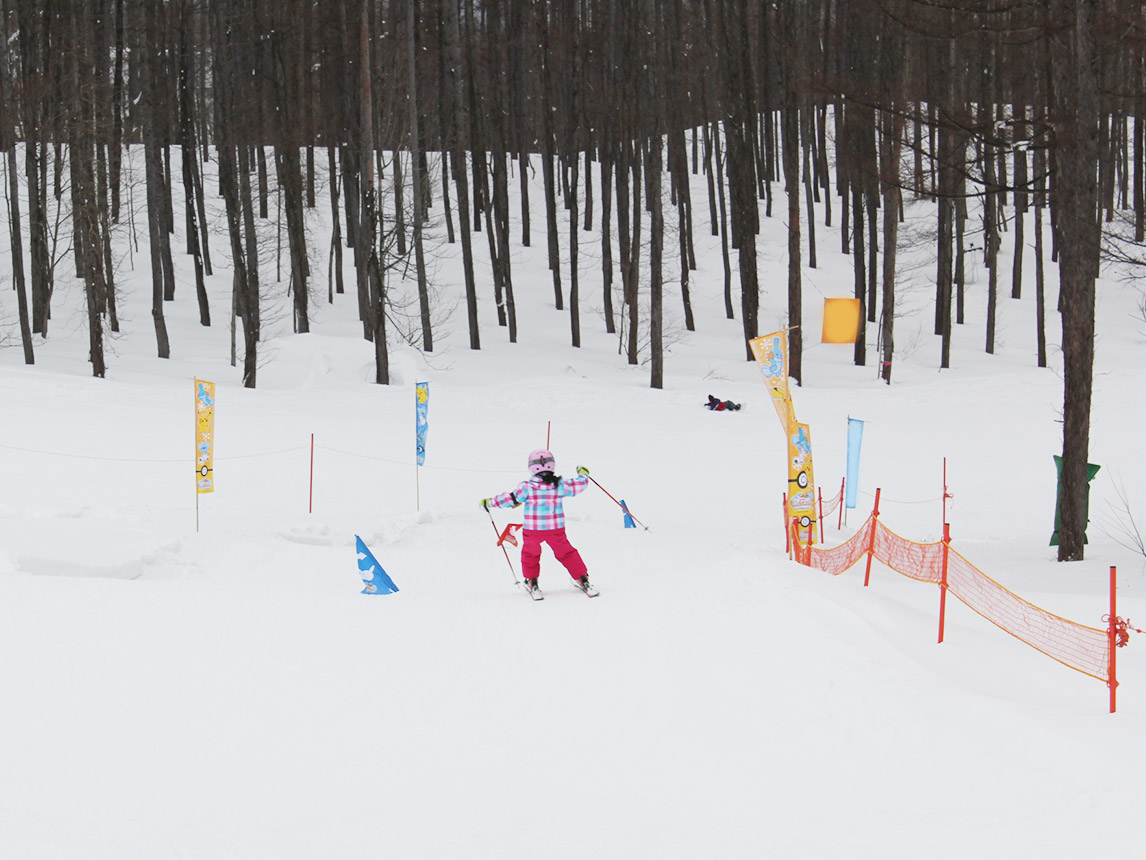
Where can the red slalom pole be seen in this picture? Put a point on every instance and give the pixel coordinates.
(502, 545)
(622, 506)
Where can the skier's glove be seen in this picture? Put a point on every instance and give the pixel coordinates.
(485, 503)
(582, 471)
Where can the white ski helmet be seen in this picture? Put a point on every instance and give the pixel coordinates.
(541, 461)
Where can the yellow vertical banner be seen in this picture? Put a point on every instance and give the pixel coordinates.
(204, 436)
(801, 481)
(771, 351)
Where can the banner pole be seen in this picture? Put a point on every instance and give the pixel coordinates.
(787, 526)
(194, 461)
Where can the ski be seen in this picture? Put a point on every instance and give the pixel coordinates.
(588, 588)
(534, 593)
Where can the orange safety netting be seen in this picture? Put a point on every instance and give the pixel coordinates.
(922, 561)
(1085, 649)
(829, 505)
(837, 559)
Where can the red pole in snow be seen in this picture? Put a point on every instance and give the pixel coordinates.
(946, 495)
(1112, 635)
(840, 521)
(820, 495)
(871, 544)
(943, 581)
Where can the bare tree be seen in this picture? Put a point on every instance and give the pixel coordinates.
(8, 145)
(1073, 56)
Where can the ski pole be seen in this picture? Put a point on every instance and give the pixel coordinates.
(621, 505)
(503, 549)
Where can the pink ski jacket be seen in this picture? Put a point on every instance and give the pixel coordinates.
(543, 502)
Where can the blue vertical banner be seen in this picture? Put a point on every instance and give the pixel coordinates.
(855, 442)
(374, 579)
(422, 421)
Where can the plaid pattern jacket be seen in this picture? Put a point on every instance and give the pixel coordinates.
(543, 502)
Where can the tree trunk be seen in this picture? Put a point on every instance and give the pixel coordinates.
(336, 284)
(991, 244)
(889, 170)
(192, 189)
(8, 144)
(860, 350)
(606, 173)
(455, 120)
(790, 129)
(417, 179)
(1040, 293)
(288, 164)
(633, 299)
(574, 226)
(1076, 106)
(656, 257)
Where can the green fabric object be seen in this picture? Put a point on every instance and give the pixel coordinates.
(1091, 471)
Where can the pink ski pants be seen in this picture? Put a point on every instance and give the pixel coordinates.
(559, 543)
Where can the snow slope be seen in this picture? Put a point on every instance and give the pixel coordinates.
(227, 692)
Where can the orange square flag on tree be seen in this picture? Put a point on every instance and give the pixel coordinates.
(841, 321)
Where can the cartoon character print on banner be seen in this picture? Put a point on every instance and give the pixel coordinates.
(771, 351)
(204, 436)
(801, 481)
(421, 419)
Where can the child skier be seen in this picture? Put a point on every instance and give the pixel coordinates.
(718, 405)
(544, 523)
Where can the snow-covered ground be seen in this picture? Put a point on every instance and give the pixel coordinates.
(227, 692)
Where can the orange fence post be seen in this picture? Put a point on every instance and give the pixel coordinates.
(1112, 634)
(840, 521)
(871, 543)
(943, 581)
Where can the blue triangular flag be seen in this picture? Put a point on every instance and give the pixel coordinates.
(374, 578)
(629, 524)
